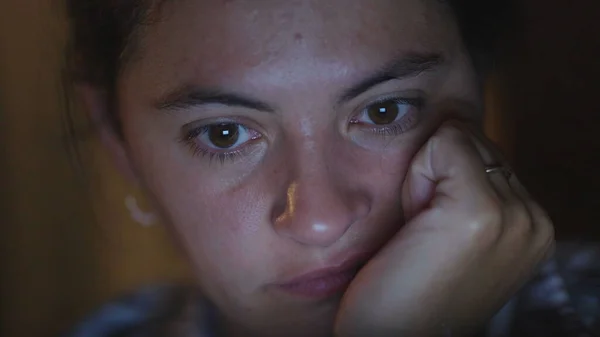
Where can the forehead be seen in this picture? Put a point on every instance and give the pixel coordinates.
(227, 40)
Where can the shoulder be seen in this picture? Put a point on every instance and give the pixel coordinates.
(563, 299)
(150, 311)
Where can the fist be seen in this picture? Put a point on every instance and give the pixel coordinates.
(472, 239)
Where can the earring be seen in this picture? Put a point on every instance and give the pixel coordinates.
(146, 219)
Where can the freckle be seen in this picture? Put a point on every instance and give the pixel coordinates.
(298, 37)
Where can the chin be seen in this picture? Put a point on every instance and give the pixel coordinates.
(314, 321)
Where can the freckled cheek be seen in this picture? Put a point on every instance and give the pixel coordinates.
(221, 234)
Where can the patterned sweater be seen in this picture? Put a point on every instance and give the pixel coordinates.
(562, 300)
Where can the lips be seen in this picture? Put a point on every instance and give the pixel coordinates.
(325, 282)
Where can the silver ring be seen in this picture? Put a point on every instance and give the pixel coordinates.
(491, 169)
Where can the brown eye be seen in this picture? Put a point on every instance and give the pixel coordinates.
(223, 136)
(384, 112)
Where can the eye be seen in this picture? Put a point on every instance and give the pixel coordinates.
(220, 140)
(390, 116)
(385, 112)
(224, 136)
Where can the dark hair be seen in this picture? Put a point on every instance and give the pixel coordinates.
(482, 24)
(102, 33)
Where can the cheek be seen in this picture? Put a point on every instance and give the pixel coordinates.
(224, 238)
(386, 168)
(382, 175)
(219, 230)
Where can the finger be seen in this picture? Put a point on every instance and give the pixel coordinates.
(541, 225)
(522, 209)
(492, 157)
(518, 209)
(525, 218)
(449, 172)
(492, 150)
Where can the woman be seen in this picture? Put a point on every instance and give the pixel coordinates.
(319, 162)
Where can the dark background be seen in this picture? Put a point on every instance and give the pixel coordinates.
(64, 251)
(552, 87)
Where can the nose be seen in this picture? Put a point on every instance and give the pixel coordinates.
(318, 209)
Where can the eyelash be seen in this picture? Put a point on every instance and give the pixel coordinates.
(190, 138)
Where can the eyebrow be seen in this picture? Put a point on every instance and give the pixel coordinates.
(190, 96)
(407, 66)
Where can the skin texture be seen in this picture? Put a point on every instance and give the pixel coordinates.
(317, 184)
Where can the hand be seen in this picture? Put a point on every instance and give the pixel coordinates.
(472, 239)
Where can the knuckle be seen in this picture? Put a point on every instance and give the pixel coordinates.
(520, 219)
(545, 230)
(545, 246)
(449, 134)
(483, 232)
(487, 227)
(492, 209)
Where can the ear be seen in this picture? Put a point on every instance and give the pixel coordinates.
(96, 102)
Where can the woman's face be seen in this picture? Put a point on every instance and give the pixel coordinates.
(275, 136)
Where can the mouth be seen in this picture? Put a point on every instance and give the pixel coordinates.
(325, 282)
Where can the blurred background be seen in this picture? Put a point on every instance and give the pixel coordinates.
(67, 238)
